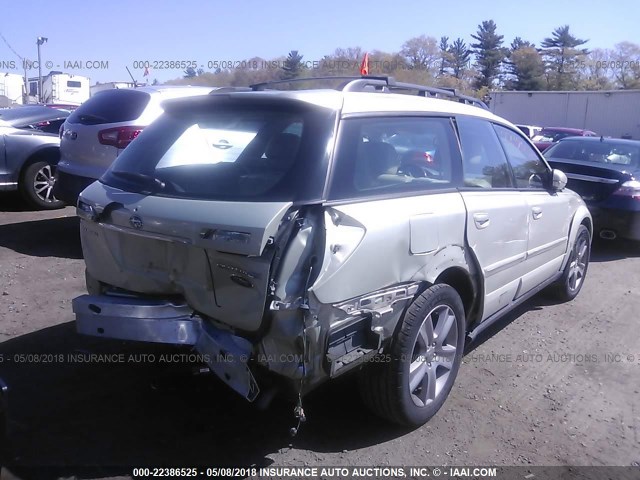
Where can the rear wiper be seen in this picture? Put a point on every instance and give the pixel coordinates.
(87, 117)
(148, 179)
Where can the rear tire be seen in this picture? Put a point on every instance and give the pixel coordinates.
(36, 186)
(572, 279)
(414, 377)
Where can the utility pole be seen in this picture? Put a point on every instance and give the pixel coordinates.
(39, 42)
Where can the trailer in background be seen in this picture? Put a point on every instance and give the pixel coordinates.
(611, 113)
(11, 89)
(60, 88)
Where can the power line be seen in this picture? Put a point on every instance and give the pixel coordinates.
(10, 47)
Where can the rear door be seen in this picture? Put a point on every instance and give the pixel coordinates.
(549, 213)
(99, 129)
(497, 213)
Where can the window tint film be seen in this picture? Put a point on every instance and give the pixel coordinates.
(400, 154)
(529, 170)
(484, 162)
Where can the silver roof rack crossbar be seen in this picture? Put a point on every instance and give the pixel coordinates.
(382, 84)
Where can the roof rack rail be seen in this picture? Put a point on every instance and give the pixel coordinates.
(384, 84)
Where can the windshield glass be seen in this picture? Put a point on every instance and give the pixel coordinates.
(598, 152)
(230, 153)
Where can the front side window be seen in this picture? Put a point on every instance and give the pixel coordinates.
(484, 161)
(232, 153)
(529, 170)
(385, 155)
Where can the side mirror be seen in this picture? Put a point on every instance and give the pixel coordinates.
(558, 180)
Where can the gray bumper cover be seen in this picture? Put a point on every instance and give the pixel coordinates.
(160, 321)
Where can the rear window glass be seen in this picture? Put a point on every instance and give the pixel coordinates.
(111, 106)
(597, 152)
(74, 84)
(243, 153)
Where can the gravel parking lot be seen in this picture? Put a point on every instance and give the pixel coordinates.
(552, 384)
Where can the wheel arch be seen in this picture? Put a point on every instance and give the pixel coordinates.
(582, 216)
(461, 281)
(44, 153)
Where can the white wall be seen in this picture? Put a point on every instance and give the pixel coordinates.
(609, 113)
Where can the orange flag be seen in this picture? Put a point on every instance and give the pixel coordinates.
(364, 66)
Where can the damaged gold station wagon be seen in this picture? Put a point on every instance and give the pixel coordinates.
(294, 236)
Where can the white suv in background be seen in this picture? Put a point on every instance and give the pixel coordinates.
(95, 134)
(285, 237)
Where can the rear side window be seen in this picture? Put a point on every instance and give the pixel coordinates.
(111, 106)
(484, 162)
(380, 156)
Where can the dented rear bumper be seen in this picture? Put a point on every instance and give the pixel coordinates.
(161, 321)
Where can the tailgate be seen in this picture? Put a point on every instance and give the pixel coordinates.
(82, 154)
(216, 255)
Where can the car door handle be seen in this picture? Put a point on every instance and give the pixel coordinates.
(536, 212)
(481, 220)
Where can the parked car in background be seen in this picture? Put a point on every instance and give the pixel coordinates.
(606, 173)
(35, 117)
(530, 130)
(101, 128)
(29, 153)
(268, 260)
(550, 135)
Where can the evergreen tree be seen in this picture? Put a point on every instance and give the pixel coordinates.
(444, 55)
(489, 53)
(564, 58)
(459, 54)
(292, 66)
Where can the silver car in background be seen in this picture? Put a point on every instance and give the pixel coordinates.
(283, 236)
(101, 128)
(29, 153)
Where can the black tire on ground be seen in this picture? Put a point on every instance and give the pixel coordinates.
(36, 186)
(430, 339)
(574, 273)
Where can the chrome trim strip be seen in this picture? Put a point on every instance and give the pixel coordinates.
(589, 178)
(502, 264)
(543, 248)
(6, 184)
